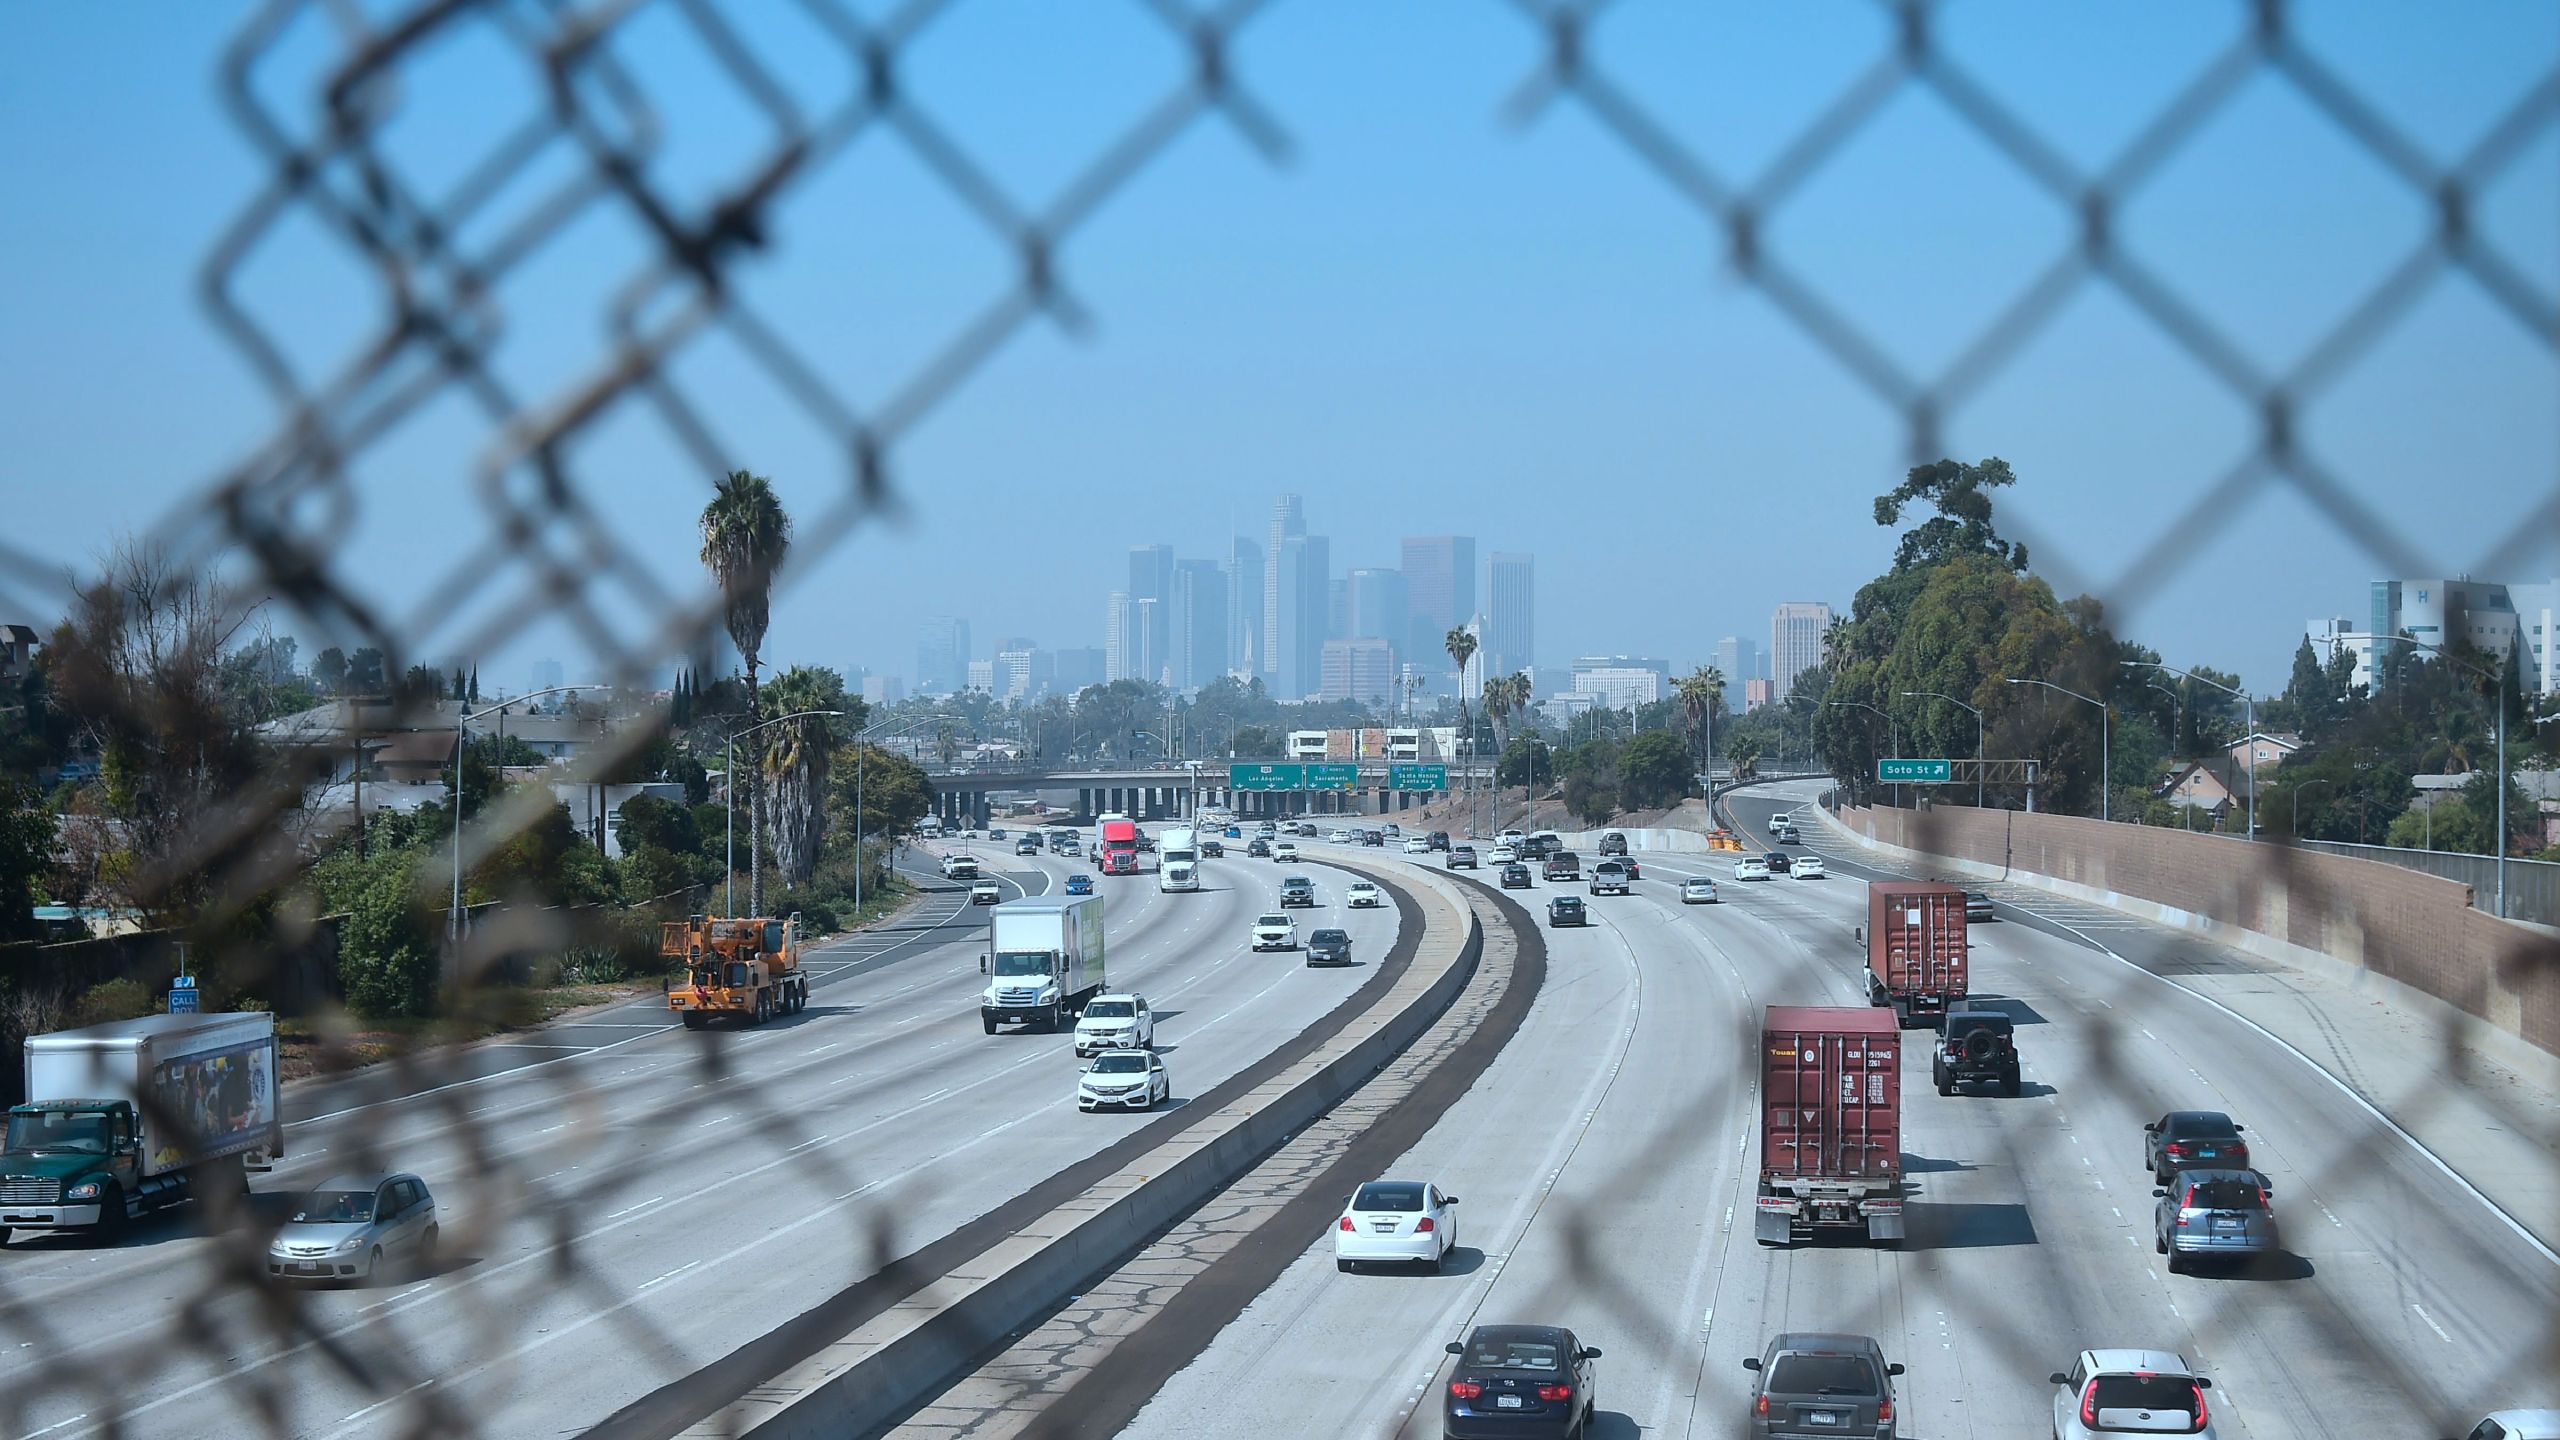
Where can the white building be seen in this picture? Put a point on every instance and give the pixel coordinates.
(1619, 687)
(1796, 642)
(2490, 615)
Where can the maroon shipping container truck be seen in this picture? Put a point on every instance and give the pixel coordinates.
(1830, 1123)
(1916, 948)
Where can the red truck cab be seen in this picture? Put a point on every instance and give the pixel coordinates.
(1119, 847)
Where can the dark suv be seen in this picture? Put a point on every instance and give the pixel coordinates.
(1812, 1384)
(1613, 843)
(1437, 840)
(1976, 1046)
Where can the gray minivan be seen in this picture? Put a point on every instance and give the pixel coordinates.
(1822, 1384)
(2214, 1213)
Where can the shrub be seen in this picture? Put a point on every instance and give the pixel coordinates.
(114, 1000)
(386, 962)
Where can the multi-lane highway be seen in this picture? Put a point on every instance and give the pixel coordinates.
(1605, 1168)
(624, 1202)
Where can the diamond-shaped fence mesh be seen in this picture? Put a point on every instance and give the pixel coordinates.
(441, 256)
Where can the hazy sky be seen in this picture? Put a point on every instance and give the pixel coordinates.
(1426, 321)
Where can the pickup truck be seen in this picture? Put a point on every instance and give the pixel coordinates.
(1609, 877)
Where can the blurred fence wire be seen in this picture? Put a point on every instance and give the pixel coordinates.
(440, 254)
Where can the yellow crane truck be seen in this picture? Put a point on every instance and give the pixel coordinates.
(747, 969)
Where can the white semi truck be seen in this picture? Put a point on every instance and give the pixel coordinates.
(1178, 860)
(1043, 961)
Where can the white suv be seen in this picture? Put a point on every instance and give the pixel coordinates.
(2107, 1392)
(1115, 1022)
(1275, 932)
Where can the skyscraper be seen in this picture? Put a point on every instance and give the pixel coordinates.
(942, 655)
(1795, 642)
(1199, 623)
(1511, 612)
(1151, 578)
(1380, 607)
(1244, 605)
(1440, 578)
(1147, 627)
(1739, 659)
(1355, 670)
(1119, 645)
(1288, 521)
(1315, 593)
(1284, 606)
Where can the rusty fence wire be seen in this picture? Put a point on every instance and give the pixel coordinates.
(440, 254)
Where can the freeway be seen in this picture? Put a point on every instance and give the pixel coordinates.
(1605, 1167)
(640, 1206)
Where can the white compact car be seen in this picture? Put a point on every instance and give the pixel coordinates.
(1363, 896)
(1338, 837)
(1396, 1222)
(1285, 850)
(2108, 1392)
(1275, 931)
(1503, 854)
(1417, 844)
(1115, 1022)
(1123, 1080)
(984, 892)
(1751, 868)
(1697, 890)
(1809, 867)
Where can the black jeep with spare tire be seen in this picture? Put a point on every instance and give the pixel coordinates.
(1976, 1045)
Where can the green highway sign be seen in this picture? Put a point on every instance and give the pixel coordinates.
(1330, 776)
(1915, 772)
(1417, 777)
(1266, 777)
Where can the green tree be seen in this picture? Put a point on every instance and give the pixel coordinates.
(26, 855)
(329, 671)
(1654, 770)
(894, 791)
(1700, 694)
(1460, 642)
(386, 956)
(745, 535)
(795, 758)
(1961, 494)
(368, 673)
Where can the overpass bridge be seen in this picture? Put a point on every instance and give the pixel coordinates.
(1164, 792)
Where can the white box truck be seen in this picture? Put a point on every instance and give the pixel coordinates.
(1178, 860)
(1043, 960)
(138, 1115)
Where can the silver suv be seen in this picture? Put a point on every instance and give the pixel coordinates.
(2213, 1213)
(2146, 1392)
(1818, 1384)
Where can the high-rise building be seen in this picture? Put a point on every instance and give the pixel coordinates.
(1511, 611)
(2490, 615)
(1358, 669)
(1619, 687)
(1147, 628)
(982, 676)
(1337, 609)
(1023, 673)
(1151, 578)
(942, 655)
(1199, 624)
(1755, 693)
(883, 689)
(1739, 659)
(1796, 642)
(1440, 582)
(1296, 623)
(1315, 596)
(1279, 572)
(1244, 606)
(1380, 607)
(1119, 642)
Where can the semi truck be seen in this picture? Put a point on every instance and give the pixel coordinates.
(1043, 961)
(138, 1115)
(1119, 845)
(1916, 948)
(1178, 860)
(746, 969)
(1830, 1124)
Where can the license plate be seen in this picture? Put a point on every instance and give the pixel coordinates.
(1507, 1402)
(307, 1267)
(1822, 1417)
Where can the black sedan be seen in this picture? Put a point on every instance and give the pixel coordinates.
(1566, 910)
(2192, 1140)
(1780, 862)
(1635, 870)
(1329, 947)
(1515, 876)
(1519, 1380)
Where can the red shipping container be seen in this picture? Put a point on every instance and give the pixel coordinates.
(1918, 949)
(1830, 1122)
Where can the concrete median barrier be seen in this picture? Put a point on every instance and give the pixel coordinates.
(865, 1380)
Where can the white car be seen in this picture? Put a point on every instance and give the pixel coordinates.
(1503, 854)
(1511, 837)
(1363, 896)
(2517, 1425)
(1697, 890)
(1115, 1022)
(1808, 867)
(1275, 931)
(1417, 844)
(985, 892)
(2108, 1392)
(1125, 1080)
(1396, 1222)
(1780, 823)
(1751, 868)
(1285, 850)
(1338, 837)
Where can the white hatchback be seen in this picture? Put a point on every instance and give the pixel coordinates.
(1275, 932)
(2108, 1392)
(1363, 896)
(1396, 1222)
(1503, 854)
(1285, 850)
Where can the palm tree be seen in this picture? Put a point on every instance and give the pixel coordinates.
(795, 761)
(1461, 644)
(745, 534)
(1497, 705)
(1701, 695)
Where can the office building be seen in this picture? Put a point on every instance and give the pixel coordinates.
(1440, 581)
(1619, 687)
(1199, 624)
(1755, 693)
(942, 655)
(1511, 612)
(1739, 660)
(1119, 642)
(1796, 641)
(1280, 571)
(1359, 670)
(1584, 665)
(883, 689)
(1244, 607)
(1337, 609)
(2489, 615)
(982, 676)
(1379, 607)
(1024, 673)
(1151, 578)
(1147, 627)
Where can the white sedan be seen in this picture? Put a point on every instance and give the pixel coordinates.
(1339, 837)
(1417, 844)
(1126, 1079)
(1275, 931)
(1285, 850)
(1396, 1222)
(1697, 890)
(1503, 854)
(1809, 867)
(1363, 896)
(1751, 867)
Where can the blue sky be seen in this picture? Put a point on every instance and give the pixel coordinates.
(1426, 320)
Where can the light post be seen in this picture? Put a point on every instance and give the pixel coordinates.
(2106, 753)
(453, 917)
(2499, 677)
(1977, 735)
(2293, 808)
(729, 883)
(1893, 728)
(2249, 706)
(2177, 711)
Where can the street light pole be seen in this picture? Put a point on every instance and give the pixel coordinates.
(729, 883)
(2106, 754)
(2249, 709)
(2293, 808)
(1977, 735)
(453, 917)
(2500, 678)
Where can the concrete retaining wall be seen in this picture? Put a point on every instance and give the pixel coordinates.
(902, 1357)
(2418, 930)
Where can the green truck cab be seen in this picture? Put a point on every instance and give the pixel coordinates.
(138, 1115)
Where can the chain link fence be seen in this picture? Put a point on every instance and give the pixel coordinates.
(589, 148)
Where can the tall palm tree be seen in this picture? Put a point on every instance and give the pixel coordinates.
(1701, 695)
(1461, 645)
(745, 534)
(795, 760)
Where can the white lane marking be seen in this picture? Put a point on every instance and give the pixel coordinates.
(387, 1400)
(2431, 1323)
(58, 1424)
(643, 1205)
(670, 1275)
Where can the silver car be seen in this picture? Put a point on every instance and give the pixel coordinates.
(2213, 1213)
(2152, 1392)
(348, 1226)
